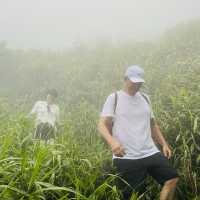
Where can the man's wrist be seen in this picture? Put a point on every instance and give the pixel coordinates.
(165, 144)
(109, 140)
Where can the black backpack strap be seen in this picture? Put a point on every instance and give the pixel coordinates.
(115, 104)
(146, 98)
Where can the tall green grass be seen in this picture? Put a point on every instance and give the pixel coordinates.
(78, 165)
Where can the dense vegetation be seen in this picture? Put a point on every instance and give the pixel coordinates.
(78, 165)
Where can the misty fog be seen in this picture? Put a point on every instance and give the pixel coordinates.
(65, 23)
(59, 62)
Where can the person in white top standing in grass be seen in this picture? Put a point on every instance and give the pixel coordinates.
(47, 117)
(128, 125)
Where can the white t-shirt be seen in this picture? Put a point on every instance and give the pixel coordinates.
(131, 124)
(44, 113)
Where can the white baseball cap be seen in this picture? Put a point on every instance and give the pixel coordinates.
(135, 74)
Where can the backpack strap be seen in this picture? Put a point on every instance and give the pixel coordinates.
(145, 97)
(114, 107)
(115, 104)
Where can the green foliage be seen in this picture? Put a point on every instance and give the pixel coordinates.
(78, 165)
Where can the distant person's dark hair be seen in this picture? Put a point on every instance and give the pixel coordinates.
(52, 92)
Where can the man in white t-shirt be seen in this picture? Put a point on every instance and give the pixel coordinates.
(47, 116)
(128, 125)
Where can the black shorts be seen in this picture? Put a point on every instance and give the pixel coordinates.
(134, 172)
(44, 131)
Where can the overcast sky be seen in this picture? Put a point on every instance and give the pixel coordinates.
(62, 23)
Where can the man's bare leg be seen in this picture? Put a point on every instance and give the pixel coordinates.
(168, 189)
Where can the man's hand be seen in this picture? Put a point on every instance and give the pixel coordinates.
(167, 151)
(105, 128)
(117, 148)
(159, 138)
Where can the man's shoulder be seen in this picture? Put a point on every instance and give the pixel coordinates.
(114, 93)
(112, 96)
(145, 96)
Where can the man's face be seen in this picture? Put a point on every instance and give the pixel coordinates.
(135, 87)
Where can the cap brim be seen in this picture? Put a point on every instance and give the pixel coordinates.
(137, 80)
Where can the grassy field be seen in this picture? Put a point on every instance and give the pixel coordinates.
(78, 166)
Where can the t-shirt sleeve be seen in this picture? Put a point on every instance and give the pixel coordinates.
(108, 107)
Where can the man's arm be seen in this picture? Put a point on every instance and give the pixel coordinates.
(105, 129)
(159, 138)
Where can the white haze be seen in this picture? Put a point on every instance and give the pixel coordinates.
(57, 24)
